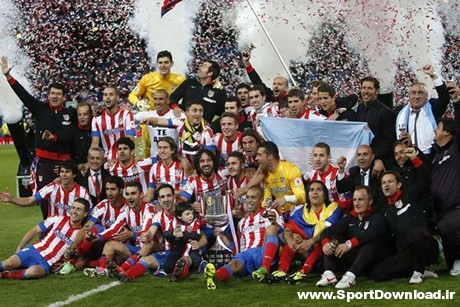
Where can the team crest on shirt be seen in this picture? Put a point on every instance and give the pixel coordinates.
(398, 204)
(366, 225)
(190, 228)
(282, 180)
(66, 117)
(177, 172)
(298, 182)
(210, 93)
(120, 120)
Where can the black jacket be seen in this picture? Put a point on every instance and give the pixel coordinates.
(349, 227)
(381, 121)
(445, 174)
(59, 122)
(212, 98)
(353, 179)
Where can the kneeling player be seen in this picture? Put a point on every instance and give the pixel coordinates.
(258, 233)
(37, 259)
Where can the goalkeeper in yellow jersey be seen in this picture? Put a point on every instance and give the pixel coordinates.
(142, 95)
(283, 180)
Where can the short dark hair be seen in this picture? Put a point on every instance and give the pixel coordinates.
(367, 189)
(373, 80)
(327, 201)
(259, 88)
(69, 164)
(135, 184)
(197, 157)
(396, 174)
(327, 88)
(126, 141)
(270, 149)
(181, 207)
(295, 92)
(242, 85)
(165, 54)
(324, 145)
(58, 86)
(214, 68)
(172, 144)
(252, 133)
(318, 83)
(118, 181)
(162, 186)
(82, 201)
(449, 125)
(115, 88)
(190, 103)
(229, 114)
(232, 99)
(238, 155)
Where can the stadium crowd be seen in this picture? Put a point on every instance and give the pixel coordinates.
(213, 195)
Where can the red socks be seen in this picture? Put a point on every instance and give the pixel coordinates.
(286, 257)
(14, 275)
(314, 256)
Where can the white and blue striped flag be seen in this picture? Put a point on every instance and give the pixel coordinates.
(296, 137)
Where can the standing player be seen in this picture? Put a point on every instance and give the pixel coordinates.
(162, 110)
(230, 139)
(258, 239)
(327, 173)
(60, 195)
(35, 261)
(143, 95)
(113, 124)
(169, 168)
(193, 131)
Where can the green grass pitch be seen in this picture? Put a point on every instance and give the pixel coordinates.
(152, 291)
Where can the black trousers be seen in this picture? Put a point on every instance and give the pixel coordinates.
(449, 229)
(422, 252)
(177, 251)
(359, 258)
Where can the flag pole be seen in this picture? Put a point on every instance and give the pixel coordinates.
(273, 44)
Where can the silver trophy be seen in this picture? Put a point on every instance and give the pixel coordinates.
(215, 210)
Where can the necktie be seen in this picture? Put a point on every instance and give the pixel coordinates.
(97, 185)
(415, 127)
(363, 177)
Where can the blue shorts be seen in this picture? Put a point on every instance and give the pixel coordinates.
(252, 259)
(161, 256)
(132, 248)
(29, 256)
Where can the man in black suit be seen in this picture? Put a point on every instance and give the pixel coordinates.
(380, 118)
(94, 175)
(360, 175)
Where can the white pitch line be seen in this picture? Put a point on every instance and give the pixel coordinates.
(77, 297)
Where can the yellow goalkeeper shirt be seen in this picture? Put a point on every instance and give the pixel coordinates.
(286, 180)
(152, 82)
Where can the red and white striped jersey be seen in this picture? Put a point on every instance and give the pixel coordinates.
(202, 187)
(156, 132)
(59, 236)
(250, 161)
(201, 139)
(329, 179)
(173, 174)
(309, 114)
(105, 214)
(136, 171)
(162, 220)
(138, 222)
(265, 111)
(60, 200)
(251, 230)
(195, 226)
(225, 148)
(109, 128)
(233, 186)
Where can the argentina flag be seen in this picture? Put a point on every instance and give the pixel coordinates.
(296, 137)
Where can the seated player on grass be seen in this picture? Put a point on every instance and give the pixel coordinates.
(302, 232)
(186, 237)
(36, 261)
(258, 236)
(123, 237)
(138, 264)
